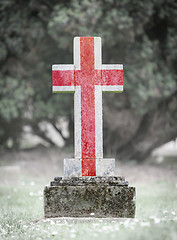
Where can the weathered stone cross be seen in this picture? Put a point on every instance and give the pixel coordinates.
(88, 78)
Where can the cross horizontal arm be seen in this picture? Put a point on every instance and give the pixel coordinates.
(112, 66)
(116, 89)
(112, 78)
(63, 78)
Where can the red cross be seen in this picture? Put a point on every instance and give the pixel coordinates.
(87, 78)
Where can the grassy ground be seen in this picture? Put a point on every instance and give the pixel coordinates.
(21, 210)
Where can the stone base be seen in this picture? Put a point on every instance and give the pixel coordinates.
(106, 197)
(104, 167)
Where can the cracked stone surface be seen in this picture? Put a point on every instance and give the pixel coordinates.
(85, 181)
(89, 197)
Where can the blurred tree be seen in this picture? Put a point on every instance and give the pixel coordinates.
(140, 34)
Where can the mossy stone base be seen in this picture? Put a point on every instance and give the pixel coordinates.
(96, 199)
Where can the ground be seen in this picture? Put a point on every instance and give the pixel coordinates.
(24, 174)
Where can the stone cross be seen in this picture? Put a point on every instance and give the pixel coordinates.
(87, 78)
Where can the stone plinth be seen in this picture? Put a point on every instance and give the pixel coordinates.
(89, 197)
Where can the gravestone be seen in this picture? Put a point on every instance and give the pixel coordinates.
(89, 187)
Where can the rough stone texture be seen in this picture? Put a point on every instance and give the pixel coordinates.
(85, 181)
(89, 197)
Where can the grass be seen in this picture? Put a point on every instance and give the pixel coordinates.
(21, 207)
(21, 216)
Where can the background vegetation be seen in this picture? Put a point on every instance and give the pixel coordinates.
(140, 34)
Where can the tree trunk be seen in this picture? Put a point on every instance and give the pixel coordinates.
(139, 137)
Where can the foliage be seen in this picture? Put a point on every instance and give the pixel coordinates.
(35, 34)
